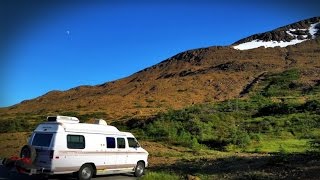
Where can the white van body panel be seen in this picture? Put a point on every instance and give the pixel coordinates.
(55, 157)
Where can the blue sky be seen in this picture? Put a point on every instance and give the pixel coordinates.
(59, 46)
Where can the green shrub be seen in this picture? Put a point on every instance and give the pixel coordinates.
(315, 144)
(276, 109)
(188, 127)
(16, 125)
(313, 105)
(255, 137)
(195, 144)
(240, 138)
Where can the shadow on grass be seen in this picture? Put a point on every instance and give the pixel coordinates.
(275, 166)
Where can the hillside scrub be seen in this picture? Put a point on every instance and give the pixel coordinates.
(218, 130)
(282, 84)
(28, 122)
(20, 123)
(188, 129)
(238, 124)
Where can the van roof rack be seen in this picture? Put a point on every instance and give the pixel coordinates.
(64, 119)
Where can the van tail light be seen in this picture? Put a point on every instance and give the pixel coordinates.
(51, 154)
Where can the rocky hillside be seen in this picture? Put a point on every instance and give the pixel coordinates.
(195, 76)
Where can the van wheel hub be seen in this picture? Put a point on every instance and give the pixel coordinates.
(86, 173)
(139, 169)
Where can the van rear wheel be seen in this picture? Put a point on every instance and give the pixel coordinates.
(85, 172)
(139, 170)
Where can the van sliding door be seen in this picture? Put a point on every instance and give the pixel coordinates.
(122, 154)
(111, 153)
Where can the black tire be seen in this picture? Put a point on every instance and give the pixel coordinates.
(139, 169)
(28, 151)
(85, 172)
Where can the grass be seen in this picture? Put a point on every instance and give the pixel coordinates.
(160, 176)
(275, 145)
(231, 165)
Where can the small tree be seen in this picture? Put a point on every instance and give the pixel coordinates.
(195, 144)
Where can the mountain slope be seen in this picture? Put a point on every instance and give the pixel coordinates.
(195, 76)
(283, 36)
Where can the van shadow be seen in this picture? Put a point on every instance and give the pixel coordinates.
(7, 174)
(275, 166)
(125, 176)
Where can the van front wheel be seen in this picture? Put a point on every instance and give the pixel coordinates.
(85, 172)
(139, 170)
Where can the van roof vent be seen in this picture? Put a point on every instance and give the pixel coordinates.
(100, 121)
(63, 119)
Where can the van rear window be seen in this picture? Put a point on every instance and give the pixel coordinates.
(41, 139)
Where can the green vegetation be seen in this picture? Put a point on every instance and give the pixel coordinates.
(160, 176)
(20, 123)
(198, 128)
(272, 119)
(282, 84)
(279, 145)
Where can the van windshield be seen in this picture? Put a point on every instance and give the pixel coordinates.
(133, 142)
(41, 139)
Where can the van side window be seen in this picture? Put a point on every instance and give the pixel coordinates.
(121, 143)
(133, 142)
(75, 142)
(111, 142)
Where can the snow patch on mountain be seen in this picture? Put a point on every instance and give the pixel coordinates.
(313, 30)
(260, 43)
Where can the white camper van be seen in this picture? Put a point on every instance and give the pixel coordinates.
(63, 145)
